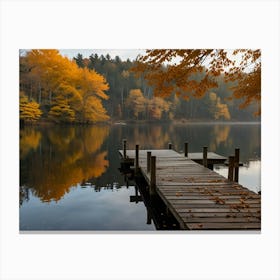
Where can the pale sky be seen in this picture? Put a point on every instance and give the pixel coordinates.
(122, 53)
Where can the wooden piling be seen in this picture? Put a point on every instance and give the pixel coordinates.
(170, 146)
(153, 176)
(136, 195)
(186, 149)
(236, 165)
(136, 157)
(149, 218)
(230, 167)
(124, 148)
(180, 188)
(205, 156)
(149, 154)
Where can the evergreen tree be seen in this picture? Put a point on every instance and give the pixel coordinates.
(79, 60)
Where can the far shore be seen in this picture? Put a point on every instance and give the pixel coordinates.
(183, 122)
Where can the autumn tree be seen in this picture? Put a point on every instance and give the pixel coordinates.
(122, 80)
(45, 75)
(170, 71)
(61, 112)
(29, 110)
(156, 107)
(66, 92)
(136, 102)
(92, 87)
(218, 109)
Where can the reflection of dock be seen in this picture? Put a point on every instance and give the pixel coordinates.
(156, 209)
(198, 197)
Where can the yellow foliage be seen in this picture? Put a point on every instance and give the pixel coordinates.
(222, 111)
(218, 109)
(61, 143)
(94, 137)
(91, 84)
(136, 102)
(29, 110)
(29, 140)
(74, 93)
(213, 96)
(59, 177)
(221, 133)
(125, 74)
(98, 167)
(68, 160)
(156, 106)
(62, 112)
(93, 110)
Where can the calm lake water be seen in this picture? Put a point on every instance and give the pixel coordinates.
(69, 177)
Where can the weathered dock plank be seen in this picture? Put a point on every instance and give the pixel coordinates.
(199, 198)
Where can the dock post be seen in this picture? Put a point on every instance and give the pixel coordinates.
(170, 146)
(136, 158)
(236, 165)
(124, 148)
(186, 149)
(149, 218)
(149, 154)
(230, 167)
(153, 176)
(205, 156)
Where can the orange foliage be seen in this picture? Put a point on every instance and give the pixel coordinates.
(172, 70)
(74, 93)
(94, 137)
(157, 106)
(68, 160)
(29, 110)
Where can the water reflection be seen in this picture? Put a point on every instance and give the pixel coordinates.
(249, 174)
(29, 140)
(63, 157)
(69, 176)
(219, 138)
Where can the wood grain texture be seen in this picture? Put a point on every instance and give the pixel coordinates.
(199, 198)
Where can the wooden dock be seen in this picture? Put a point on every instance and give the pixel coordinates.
(199, 198)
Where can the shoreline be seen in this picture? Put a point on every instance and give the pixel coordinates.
(142, 122)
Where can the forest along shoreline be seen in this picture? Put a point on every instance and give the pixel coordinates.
(47, 123)
(54, 88)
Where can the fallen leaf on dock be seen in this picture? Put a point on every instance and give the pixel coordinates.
(218, 200)
(215, 181)
(178, 194)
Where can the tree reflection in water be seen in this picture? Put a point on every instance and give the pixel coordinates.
(65, 157)
(69, 176)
